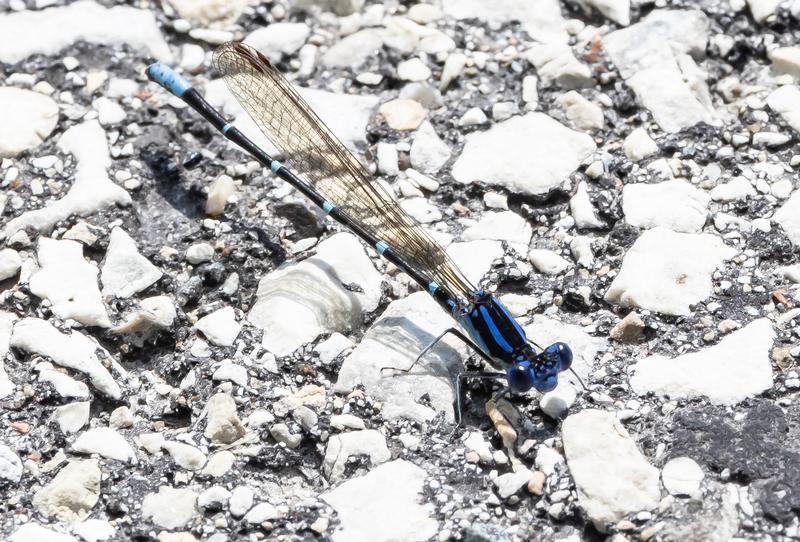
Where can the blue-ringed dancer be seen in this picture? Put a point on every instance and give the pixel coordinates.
(325, 171)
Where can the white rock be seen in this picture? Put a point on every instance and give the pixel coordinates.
(185, 455)
(472, 117)
(453, 66)
(92, 189)
(28, 119)
(241, 501)
(224, 425)
(64, 385)
(199, 253)
(106, 442)
(403, 114)
(347, 421)
(556, 65)
(260, 513)
(786, 102)
(353, 50)
(94, 530)
(125, 271)
(788, 216)
(86, 21)
(369, 442)
(424, 13)
(736, 368)
(214, 498)
(279, 39)
(582, 113)
(474, 442)
(618, 11)
(509, 483)
(530, 91)
(639, 145)
(770, 139)
(10, 465)
(738, 188)
(653, 57)
(682, 476)
(69, 282)
(317, 304)
(494, 200)
(413, 70)
(220, 327)
(542, 21)
(72, 494)
(121, 418)
(531, 154)
(501, 226)
(219, 193)
(192, 57)
(219, 464)
(170, 508)
(428, 152)
(31, 532)
(72, 417)
(74, 351)
(582, 209)
(109, 112)
(332, 347)
(415, 320)
(667, 272)
(548, 262)
(548, 460)
(10, 263)
(786, 60)
(503, 110)
(210, 12)
(612, 477)
(676, 205)
(475, 258)
(157, 312)
(556, 403)
(387, 159)
(761, 9)
(368, 512)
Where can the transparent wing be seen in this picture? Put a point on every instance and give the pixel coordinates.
(317, 156)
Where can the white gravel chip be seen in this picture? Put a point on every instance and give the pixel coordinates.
(31, 532)
(260, 513)
(10, 263)
(75, 351)
(580, 205)
(428, 152)
(72, 494)
(278, 39)
(509, 483)
(224, 425)
(199, 253)
(170, 508)
(369, 442)
(126, 272)
(682, 476)
(501, 226)
(69, 282)
(28, 119)
(185, 455)
(368, 511)
(548, 262)
(105, 442)
(667, 272)
(639, 145)
(413, 70)
(612, 476)
(542, 20)
(582, 113)
(738, 188)
(241, 501)
(727, 373)
(786, 102)
(10, 465)
(788, 216)
(72, 417)
(220, 327)
(675, 204)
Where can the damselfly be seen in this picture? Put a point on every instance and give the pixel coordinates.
(326, 172)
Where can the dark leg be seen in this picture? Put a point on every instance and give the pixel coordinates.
(452, 331)
(459, 388)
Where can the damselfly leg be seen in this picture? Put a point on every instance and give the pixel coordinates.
(450, 331)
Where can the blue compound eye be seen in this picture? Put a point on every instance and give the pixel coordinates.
(564, 353)
(546, 384)
(520, 377)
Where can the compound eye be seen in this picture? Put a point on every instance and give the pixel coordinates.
(547, 384)
(564, 353)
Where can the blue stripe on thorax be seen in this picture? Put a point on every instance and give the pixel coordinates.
(496, 335)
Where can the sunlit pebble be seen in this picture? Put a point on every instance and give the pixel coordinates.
(20, 427)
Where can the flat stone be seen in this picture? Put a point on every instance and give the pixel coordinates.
(738, 188)
(171, 508)
(543, 21)
(582, 113)
(69, 282)
(92, 189)
(403, 114)
(353, 50)
(368, 442)
(682, 476)
(94, 530)
(555, 65)
(761, 9)
(75, 351)
(105, 442)
(611, 475)
(786, 60)
(126, 272)
(638, 145)
(548, 262)
(220, 327)
(788, 216)
(368, 510)
(10, 263)
(727, 373)
(629, 329)
(31, 532)
(501, 226)
(786, 102)
(413, 69)
(530, 154)
(185, 455)
(667, 272)
(72, 417)
(219, 464)
(413, 321)
(675, 204)
(511, 482)
(241, 501)
(653, 57)
(260, 513)
(28, 119)
(72, 494)
(59, 27)
(317, 303)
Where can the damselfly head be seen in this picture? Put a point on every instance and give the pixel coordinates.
(539, 371)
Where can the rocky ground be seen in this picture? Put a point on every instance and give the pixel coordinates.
(190, 351)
